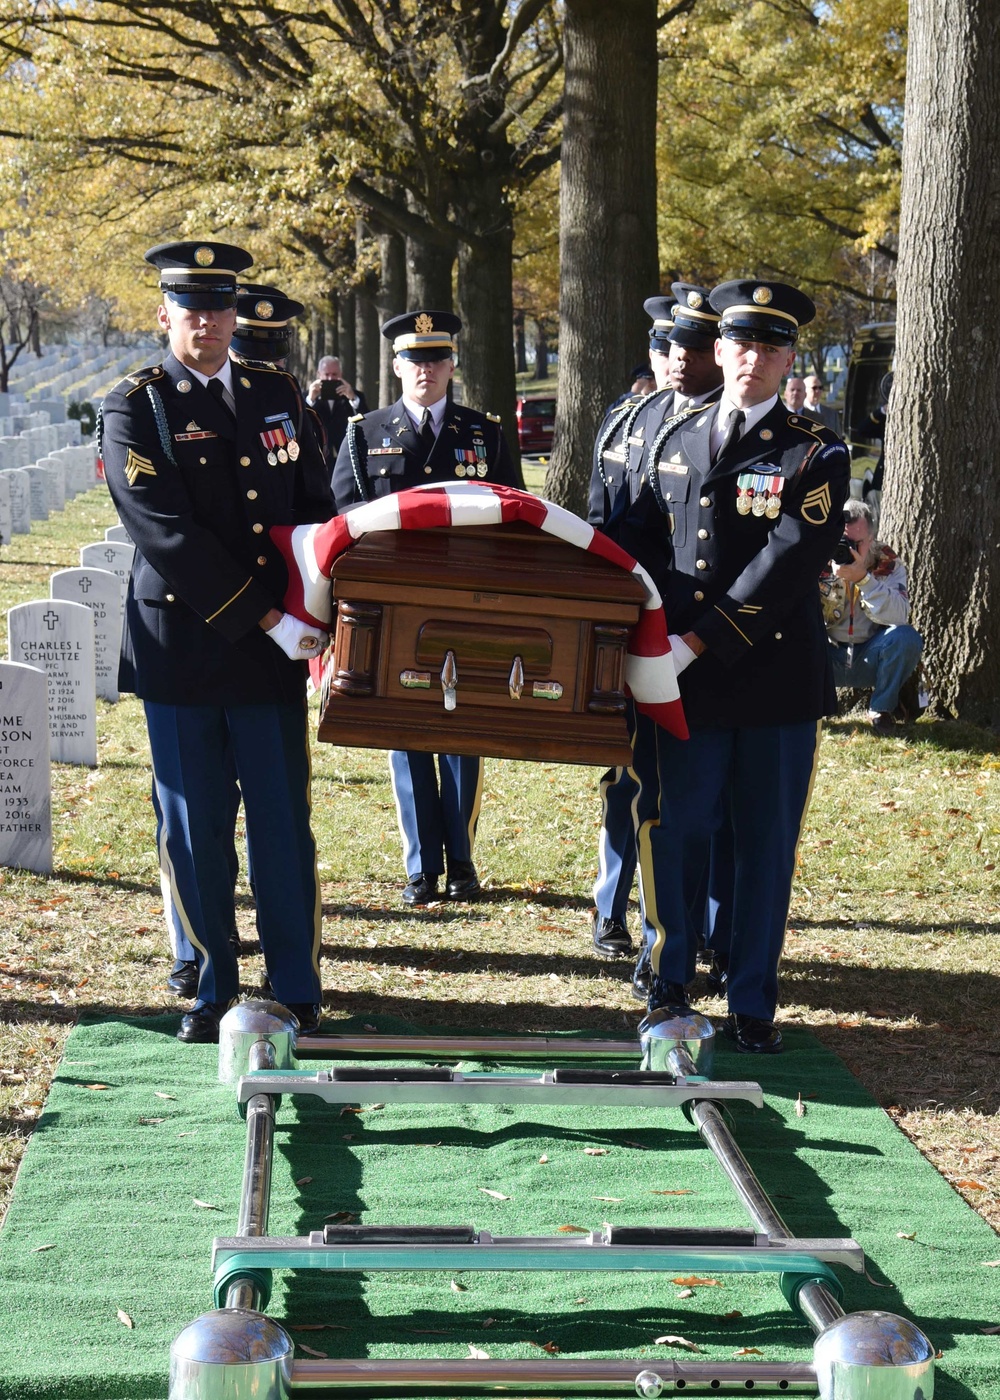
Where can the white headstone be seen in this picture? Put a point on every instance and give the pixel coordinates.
(56, 482)
(103, 593)
(25, 785)
(6, 528)
(59, 638)
(20, 501)
(117, 534)
(38, 478)
(117, 558)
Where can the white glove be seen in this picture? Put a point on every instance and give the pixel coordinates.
(681, 652)
(299, 640)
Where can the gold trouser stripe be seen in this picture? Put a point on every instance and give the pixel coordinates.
(732, 624)
(172, 899)
(231, 600)
(477, 803)
(647, 883)
(805, 813)
(318, 905)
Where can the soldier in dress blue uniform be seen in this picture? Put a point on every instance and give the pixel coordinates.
(742, 505)
(424, 437)
(202, 456)
(263, 333)
(682, 356)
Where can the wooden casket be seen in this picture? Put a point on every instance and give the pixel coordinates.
(497, 640)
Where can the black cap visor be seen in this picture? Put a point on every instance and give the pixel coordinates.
(200, 297)
(421, 354)
(758, 325)
(692, 339)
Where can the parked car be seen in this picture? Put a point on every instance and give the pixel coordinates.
(536, 419)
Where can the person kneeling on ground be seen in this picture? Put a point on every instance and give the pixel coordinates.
(866, 608)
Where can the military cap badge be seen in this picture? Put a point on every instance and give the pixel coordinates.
(424, 324)
(204, 257)
(762, 295)
(264, 309)
(694, 300)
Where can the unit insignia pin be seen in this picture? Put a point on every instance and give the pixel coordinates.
(244, 381)
(766, 434)
(183, 386)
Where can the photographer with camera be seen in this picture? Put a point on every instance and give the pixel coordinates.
(866, 608)
(334, 401)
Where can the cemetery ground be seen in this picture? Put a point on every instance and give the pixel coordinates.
(892, 957)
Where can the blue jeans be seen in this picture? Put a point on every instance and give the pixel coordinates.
(881, 664)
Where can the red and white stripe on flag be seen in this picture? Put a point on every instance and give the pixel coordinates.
(310, 552)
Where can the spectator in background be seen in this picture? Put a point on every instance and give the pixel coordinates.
(643, 382)
(334, 399)
(795, 393)
(866, 608)
(824, 413)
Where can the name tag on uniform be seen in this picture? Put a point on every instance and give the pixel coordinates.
(678, 468)
(383, 451)
(636, 440)
(614, 456)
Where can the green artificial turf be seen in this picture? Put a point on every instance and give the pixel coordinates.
(124, 1186)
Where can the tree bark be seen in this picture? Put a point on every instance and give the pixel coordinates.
(607, 223)
(428, 270)
(390, 300)
(367, 345)
(347, 347)
(941, 507)
(541, 352)
(520, 345)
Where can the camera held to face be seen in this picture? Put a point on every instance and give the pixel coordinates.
(843, 554)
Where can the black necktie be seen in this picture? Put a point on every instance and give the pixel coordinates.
(218, 391)
(736, 420)
(426, 433)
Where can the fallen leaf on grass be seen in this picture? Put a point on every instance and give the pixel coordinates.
(303, 1181)
(902, 1235)
(148, 1121)
(346, 1217)
(310, 1351)
(205, 1205)
(616, 1199)
(676, 1342)
(158, 1093)
(672, 1193)
(41, 1248)
(686, 1293)
(497, 1195)
(695, 1282)
(477, 1353)
(542, 1159)
(800, 1108)
(551, 1347)
(573, 1230)
(596, 1151)
(640, 1145)
(991, 1263)
(733, 1316)
(748, 1351)
(990, 1331)
(457, 1287)
(488, 1321)
(318, 1327)
(971, 1185)
(97, 1086)
(125, 1320)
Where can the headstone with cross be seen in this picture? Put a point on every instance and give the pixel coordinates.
(117, 534)
(107, 554)
(58, 637)
(103, 593)
(25, 783)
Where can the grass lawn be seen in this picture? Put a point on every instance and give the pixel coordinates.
(890, 957)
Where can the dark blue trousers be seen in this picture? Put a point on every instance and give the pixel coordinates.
(616, 851)
(437, 818)
(193, 749)
(760, 778)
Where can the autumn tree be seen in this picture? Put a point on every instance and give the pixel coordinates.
(941, 505)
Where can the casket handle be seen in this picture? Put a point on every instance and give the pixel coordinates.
(449, 681)
(515, 681)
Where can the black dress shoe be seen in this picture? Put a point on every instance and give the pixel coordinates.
(201, 1024)
(640, 980)
(422, 889)
(463, 882)
(717, 976)
(611, 938)
(668, 996)
(183, 978)
(236, 942)
(753, 1036)
(307, 1014)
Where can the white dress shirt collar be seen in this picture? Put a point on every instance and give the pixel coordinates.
(415, 412)
(225, 374)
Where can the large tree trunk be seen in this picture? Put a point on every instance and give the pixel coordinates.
(347, 347)
(367, 342)
(428, 270)
(941, 507)
(486, 302)
(607, 223)
(390, 300)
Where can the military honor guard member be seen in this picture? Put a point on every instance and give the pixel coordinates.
(202, 456)
(424, 437)
(263, 334)
(741, 508)
(682, 357)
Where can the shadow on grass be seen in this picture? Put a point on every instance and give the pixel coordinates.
(947, 734)
(900, 926)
